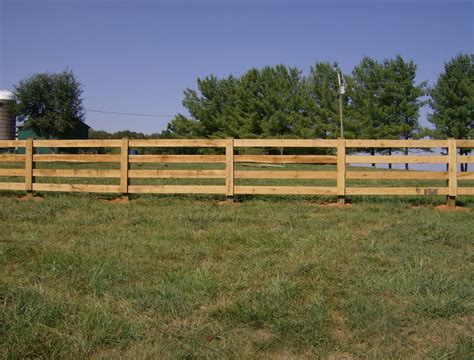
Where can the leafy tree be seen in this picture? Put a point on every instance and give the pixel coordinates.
(385, 99)
(269, 102)
(52, 103)
(452, 101)
(321, 105)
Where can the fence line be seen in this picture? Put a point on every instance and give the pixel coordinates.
(341, 159)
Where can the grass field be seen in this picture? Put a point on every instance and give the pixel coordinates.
(190, 277)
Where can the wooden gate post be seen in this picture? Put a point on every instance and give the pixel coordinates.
(452, 173)
(229, 169)
(124, 169)
(341, 171)
(29, 166)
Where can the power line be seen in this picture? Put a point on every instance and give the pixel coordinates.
(127, 114)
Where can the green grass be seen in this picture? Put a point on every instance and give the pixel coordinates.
(269, 277)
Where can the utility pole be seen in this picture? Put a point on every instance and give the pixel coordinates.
(342, 91)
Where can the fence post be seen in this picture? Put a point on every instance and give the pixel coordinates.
(229, 169)
(341, 171)
(124, 169)
(29, 166)
(452, 173)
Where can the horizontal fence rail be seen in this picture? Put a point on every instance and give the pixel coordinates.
(337, 155)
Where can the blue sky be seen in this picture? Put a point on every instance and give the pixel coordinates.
(139, 56)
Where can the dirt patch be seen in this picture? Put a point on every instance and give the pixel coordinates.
(262, 335)
(117, 201)
(29, 197)
(451, 208)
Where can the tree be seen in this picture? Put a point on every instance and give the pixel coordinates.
(321, 104)
(385, 99)
(52, 103)
(452, 101)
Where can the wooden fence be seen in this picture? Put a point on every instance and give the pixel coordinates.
(340, 173)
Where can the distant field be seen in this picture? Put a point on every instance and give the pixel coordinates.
(269, 277)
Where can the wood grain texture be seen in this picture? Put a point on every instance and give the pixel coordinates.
(95, 158)
(229, 167)
(359, 143)
(77, 173)
(29, 165)
(124, 166)
(177, 142)
(12, 186)
(285, 190)
(104, 143)
(397, 175)
(396, 191)
(176, 189)
(177, 159)
(12, 158)
(12, 172)
(287, 159)
(12, 143)
(397, 159)
(281, 174)
(341, 167)
(453, 168)
(306, 143)
(176, 174)
(77, 188)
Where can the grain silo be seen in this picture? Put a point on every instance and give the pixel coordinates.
(7, 117)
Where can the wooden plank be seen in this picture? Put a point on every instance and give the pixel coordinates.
(397, 175)
(77, 173)
(12, 158)
(77, 188)
(453, 167)
(12, 143)
(177, 159)
(285, 190)
(465, 159)
(104, 143)
(341, 167)
(229, 168)
(29, 165)
(312, 143)
(176, 189)
(176, 174)
(287, 159)
(124, 166)
(177, 142)
(465, 143)
(397, 159)
(277, 174)
(361, 143)
(465, 190)
(12, 172)
(12, 186)
(396, 191)
(465, 175)
(98, 158)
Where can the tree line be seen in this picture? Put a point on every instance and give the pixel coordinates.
(382, 100)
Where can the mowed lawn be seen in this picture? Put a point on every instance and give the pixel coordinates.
(191, 277)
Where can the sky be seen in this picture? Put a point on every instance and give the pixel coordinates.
(138, 56)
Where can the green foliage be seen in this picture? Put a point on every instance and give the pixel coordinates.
(452, 100)
(52, 103)
(382, 101)
(385, 101)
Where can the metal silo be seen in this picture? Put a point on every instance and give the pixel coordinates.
(7, 118)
